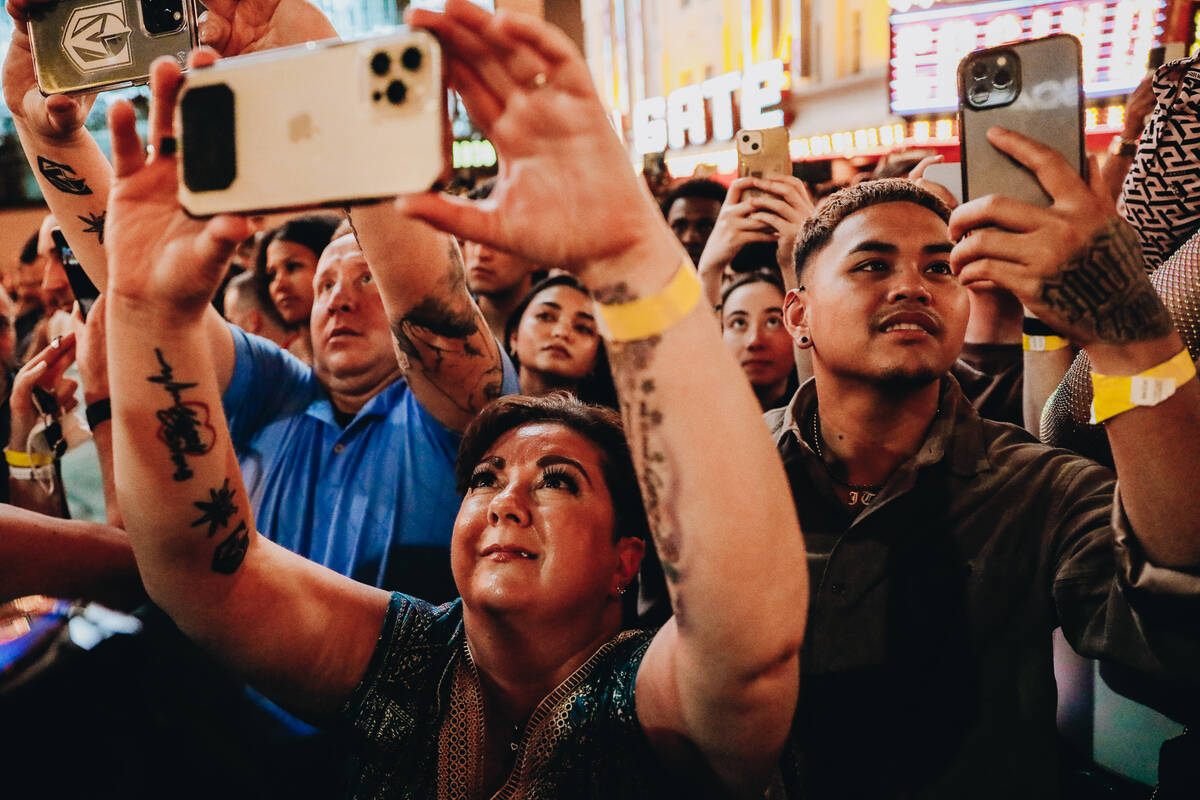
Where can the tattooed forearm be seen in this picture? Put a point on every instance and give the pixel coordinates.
(453, 350)
(218, 510)
(656, 469)
(62, 176)
(95, 224)
(1105, 290)
(183, 427)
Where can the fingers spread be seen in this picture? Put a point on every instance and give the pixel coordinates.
(128, 156)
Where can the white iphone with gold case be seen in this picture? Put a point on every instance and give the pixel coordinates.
(317, 124)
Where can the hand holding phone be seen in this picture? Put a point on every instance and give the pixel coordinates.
(1076, 265)
(763, 153)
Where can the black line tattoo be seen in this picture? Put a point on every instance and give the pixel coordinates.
(217, 509)
(657, 473)
(232, 551)
(62, 176)
(448, 344)
(184, 427)
(95, 224)
(1105, 290)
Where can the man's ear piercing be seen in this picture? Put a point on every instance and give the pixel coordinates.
(803, 340)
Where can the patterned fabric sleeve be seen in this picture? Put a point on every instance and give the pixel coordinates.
(1161, 195)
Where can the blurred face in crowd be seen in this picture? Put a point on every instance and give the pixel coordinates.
(27, 284)
(352, 344)
(557, 334)
(752, 326)
(534, 533)
(55, 288)
(692, 220)
(881, 304)
(491, 271)
(8, 331)
(290, 269)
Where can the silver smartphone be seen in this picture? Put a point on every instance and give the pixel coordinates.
(1033, 87)
(83, 47)
(325, 123)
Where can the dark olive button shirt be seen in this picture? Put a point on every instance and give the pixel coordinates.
(927, 661)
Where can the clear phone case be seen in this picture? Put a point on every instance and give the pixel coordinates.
(84, 47)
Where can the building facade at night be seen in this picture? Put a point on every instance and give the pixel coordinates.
(851, 79)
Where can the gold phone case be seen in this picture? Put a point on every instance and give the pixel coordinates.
(84, 46)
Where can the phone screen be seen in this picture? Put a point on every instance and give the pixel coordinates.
(81, 285)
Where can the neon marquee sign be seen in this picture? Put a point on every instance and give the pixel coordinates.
(928, 42)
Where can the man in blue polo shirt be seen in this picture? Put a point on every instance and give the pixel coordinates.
(349, 462)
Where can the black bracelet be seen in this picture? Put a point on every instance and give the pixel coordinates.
(98, 412)
(1032, 326)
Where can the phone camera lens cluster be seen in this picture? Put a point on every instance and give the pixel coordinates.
(382, 63)
(1002, 78)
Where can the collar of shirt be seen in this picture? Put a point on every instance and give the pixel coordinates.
(956, 433)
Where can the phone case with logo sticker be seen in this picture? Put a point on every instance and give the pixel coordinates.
(324, 123)
(1033, 87)
(84, 46)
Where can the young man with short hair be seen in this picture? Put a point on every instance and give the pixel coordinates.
(944, 548)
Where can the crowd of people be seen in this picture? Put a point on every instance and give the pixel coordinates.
(560, 489)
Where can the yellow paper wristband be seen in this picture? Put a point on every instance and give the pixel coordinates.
(1116, 394)
(1042, 343)
(16, 458)
(650, 316)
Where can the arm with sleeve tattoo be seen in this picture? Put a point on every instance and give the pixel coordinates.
(1079, 268)
(299, 631)
(717, 688)
(447, 353)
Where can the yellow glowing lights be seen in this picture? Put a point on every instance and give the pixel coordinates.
(872, 141)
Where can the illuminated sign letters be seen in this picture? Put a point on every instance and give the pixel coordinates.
(686, 115)
(928, 42)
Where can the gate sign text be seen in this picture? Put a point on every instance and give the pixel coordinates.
(683, 117)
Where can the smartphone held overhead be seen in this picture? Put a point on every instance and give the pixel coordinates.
(317, 124)
(763, 153)
(83, 46)
(1033, 87)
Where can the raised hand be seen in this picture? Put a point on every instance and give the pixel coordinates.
(560, 161)
(232, 27)
(57, 117)
(1075, 265)
(44, 370)
(167, 259)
